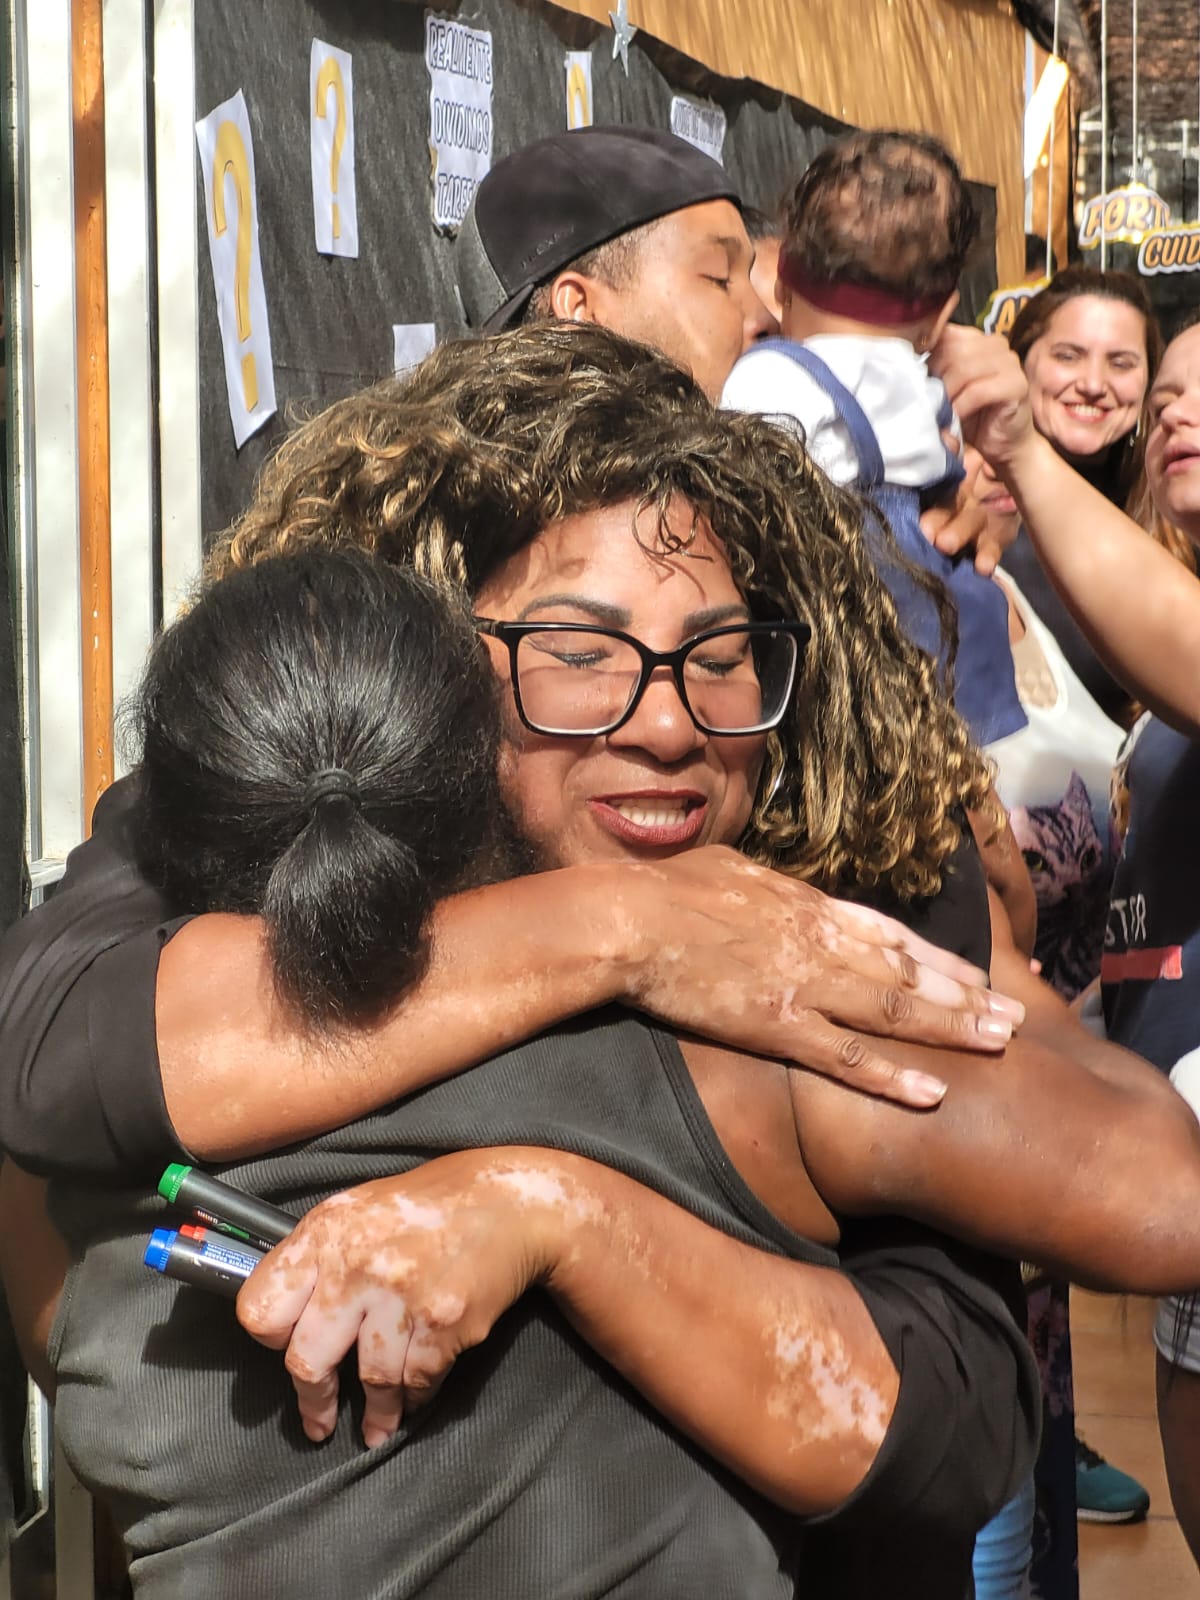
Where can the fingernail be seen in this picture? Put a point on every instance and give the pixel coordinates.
(922, 1090)
(995, 1028)
(1002, 1006)
(374, 1437)
(317, 1432)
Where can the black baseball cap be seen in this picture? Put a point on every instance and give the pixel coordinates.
(557, 198)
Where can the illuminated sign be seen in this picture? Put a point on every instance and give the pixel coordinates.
(1170, 250)
(1124, 216)
(1005, 305)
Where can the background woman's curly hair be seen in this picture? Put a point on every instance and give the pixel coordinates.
(467, 459)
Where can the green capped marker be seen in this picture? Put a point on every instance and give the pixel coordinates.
(231, 1211)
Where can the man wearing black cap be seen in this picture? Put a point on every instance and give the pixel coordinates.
(631, 228)
(637, 230)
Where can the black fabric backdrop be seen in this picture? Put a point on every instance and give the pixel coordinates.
(331, 318)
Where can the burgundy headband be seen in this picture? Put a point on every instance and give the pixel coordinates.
(859, 301)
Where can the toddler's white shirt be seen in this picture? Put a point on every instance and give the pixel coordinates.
(888, 379)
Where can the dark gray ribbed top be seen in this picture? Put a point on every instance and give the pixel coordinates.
(536, 1473)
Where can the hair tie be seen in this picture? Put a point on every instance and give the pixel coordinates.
(331, 783)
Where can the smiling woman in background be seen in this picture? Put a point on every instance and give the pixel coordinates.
(1088, 342)
(1090, 346)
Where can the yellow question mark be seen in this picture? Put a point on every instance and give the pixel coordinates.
(578, 111)
(230, 157)
(330, 77)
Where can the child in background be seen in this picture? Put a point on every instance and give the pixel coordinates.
(878, 230)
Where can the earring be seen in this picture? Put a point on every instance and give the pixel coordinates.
(765, 804)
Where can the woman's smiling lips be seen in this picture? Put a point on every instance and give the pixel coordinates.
(1179, 456)
(652, 817)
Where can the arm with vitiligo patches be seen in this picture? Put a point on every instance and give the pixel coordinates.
(790, 1385)
(706, 942)
(124, 1053)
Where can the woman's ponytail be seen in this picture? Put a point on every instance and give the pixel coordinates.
(331, 893)
(319, 745)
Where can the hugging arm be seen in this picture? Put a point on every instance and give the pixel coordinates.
(33, 1264)
(979, 1170)
(812, 1386)
(129, 1035)
(78, 1077)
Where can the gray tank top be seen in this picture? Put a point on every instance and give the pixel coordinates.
(536, 1473)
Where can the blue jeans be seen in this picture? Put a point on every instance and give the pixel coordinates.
(1003, 1549)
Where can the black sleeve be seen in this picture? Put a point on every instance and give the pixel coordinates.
(957, 918)
(964, 1433)
(80, 1090)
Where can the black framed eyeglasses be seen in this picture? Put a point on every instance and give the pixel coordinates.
(573, 679)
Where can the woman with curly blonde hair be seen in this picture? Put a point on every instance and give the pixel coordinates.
(454, 469)
(662, 592)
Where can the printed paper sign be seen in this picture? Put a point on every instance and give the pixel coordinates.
(460, 114)
(579, 88)
(331, 138)
(411, 343)
(227, 163)
(703, 126)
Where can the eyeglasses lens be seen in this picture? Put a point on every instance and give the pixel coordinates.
(579, 681)
(576, 682)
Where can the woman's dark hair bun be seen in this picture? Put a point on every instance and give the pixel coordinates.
(319, 741)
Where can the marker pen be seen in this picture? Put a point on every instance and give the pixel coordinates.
(231, 1211)
(208, 1263)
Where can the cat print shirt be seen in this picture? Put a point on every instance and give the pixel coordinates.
(1152, 940)
(1068, 846)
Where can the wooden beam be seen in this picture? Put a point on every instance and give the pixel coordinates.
(91, 334)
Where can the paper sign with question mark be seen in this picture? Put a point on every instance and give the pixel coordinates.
(231, 206)
(579, 88)
(331, 137)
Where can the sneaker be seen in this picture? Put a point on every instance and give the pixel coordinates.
(1104, 1493)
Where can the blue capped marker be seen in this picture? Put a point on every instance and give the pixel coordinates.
(208, 1263)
